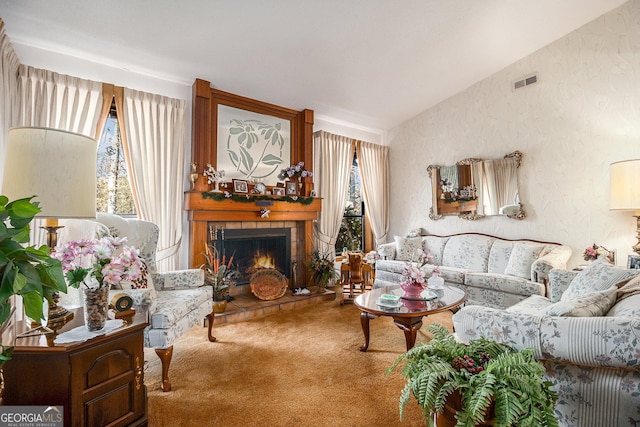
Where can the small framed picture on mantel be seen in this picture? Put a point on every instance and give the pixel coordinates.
(633, 262)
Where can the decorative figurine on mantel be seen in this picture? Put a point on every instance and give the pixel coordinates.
(213, 177)
(193, 175)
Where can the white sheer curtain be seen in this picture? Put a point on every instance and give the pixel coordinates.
(8, 89)
(57, 101)
(373, 161)
(332, 158)
(477, 171)
(153, 142)
(501, 184)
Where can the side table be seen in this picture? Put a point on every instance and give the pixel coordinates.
(99, 381)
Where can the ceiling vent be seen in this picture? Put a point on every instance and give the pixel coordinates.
(525, 82)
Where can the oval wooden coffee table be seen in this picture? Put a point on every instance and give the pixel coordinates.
(408, 313)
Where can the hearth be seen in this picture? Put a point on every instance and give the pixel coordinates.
(253, 249)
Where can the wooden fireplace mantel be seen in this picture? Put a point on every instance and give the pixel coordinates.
(206, 101)
(202, 210)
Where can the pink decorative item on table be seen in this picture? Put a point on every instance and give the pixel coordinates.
(415, 278)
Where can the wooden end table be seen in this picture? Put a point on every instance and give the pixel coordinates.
(99, 381)
(409, 313)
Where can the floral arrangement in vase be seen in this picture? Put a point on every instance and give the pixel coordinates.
(294, 171)
(415, 278)
(106, 269)
(593, 252)
(94, 265)
(371, 257)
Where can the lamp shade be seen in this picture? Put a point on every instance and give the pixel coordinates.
(57, 167)
(625, 185)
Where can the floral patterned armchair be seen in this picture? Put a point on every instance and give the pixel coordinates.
(175, 300)
(587, 334)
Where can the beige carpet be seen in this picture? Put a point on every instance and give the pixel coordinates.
(294, 368)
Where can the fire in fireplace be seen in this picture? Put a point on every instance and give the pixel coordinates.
(254, 249)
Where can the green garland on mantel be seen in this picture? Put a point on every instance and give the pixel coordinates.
(252, 198)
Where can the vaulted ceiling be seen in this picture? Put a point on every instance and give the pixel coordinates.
(370, 63)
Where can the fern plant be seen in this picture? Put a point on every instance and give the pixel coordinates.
(486, 375)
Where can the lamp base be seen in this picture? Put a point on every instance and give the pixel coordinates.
(636, 247)
(57, 316)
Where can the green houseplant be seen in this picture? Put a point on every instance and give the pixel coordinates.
(26, 271)
(490, 380)
(322, 269)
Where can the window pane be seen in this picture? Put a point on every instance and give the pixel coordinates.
(354, 201)
(113, 192)
(350, 235)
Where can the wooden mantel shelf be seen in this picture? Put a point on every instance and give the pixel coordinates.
(207, 209)
(201, 210)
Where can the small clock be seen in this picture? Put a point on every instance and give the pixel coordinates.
(260, 188)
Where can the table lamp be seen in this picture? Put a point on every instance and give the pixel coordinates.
(59, 169)
(625, 191)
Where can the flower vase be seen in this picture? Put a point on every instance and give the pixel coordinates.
(412, 289)
(96, 305)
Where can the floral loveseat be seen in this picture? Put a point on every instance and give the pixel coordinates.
(587, 334)
(492, 271)
(176, 300)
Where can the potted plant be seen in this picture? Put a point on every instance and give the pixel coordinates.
(26, 271)
(219, 275)
(322, 269)
(482, 383)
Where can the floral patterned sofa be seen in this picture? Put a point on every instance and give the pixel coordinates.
(176, 300)
(587, 334)
(492, 271)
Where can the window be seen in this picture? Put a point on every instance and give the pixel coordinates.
(113, 193)
(351, 234)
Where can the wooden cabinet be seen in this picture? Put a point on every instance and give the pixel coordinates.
(99, 381)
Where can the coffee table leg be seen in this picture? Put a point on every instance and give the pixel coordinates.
(410, 326)
(364, 321)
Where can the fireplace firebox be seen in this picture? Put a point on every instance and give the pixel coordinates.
(253, 249)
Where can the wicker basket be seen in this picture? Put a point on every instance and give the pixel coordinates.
(268, 284)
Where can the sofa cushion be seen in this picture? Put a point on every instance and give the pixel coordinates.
(435, 245)
(499, 256)
(470, 252)
(598, 276)
(143, 282)
(521, 258)
(390, 266)
(628, 307)
(531, 305)
(593, 304)
(387, 250)
(504, 283)
(630, 288)
(408, 248)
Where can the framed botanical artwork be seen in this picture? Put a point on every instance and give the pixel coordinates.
(633, 262)
(252, 145)
(277, 191)
(240, 186)
(292, 188)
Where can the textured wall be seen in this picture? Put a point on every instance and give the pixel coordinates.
(582, 115)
